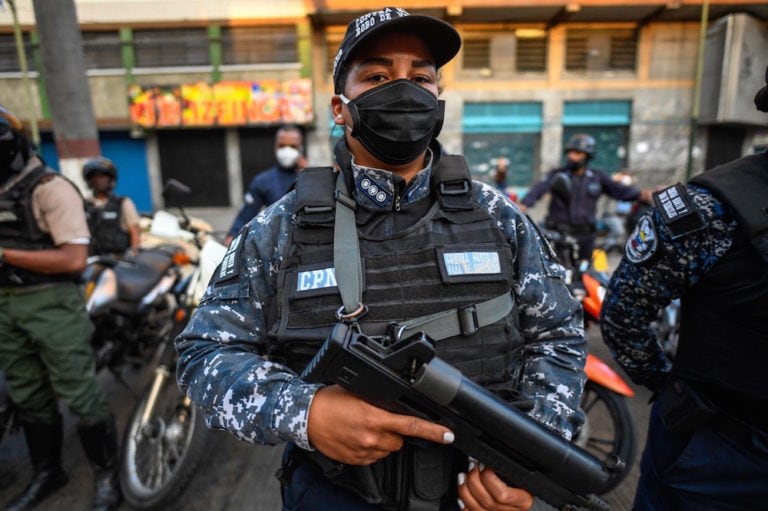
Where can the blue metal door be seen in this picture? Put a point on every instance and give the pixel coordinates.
(129, 156)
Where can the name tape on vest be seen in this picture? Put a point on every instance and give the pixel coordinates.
(472, 263)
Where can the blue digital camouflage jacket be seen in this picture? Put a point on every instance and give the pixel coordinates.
(655, 270)
(258, 400)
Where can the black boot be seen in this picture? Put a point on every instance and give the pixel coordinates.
(100, 444)
(44, 445)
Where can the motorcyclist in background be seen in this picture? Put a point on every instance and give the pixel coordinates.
(577, 216)
(112, 219)
(45, 333)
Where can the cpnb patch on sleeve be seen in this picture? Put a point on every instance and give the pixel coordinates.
(312, 280)
(678, 212)
(643, 241)
(230, 263)
(471, 263)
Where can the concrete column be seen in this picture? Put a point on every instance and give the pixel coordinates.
(234, 165)
(154, 171)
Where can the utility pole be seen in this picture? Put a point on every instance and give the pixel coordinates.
(697, 88)
(22, 55)
(66, 85)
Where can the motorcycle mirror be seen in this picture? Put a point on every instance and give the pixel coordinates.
(174, 189)
(561, 187)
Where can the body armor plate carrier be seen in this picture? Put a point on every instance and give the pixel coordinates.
(19, 229)
(105, 223)
(453, 258)
(724, 332)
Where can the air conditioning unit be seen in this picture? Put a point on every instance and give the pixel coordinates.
(735, 56)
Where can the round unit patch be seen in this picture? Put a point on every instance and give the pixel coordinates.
(643, 241)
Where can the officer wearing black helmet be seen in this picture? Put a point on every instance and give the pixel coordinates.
(112, 219)
(431, 241)
(45, 333)
(576, 215)
(705, 243)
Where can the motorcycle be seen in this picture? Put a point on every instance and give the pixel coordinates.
(138, 306)
(132, 305)
(608, 431)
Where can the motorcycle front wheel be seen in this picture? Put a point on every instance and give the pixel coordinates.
(608, 430)
(161, 456)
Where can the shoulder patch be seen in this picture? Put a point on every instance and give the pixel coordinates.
(643, 242)
(678, 212)
(230, 263)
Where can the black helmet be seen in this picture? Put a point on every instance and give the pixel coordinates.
(14, 146)
(582, 142)
(99, 165)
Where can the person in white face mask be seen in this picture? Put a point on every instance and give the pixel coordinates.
(271, 184)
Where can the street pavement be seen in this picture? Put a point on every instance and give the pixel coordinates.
(234, 475)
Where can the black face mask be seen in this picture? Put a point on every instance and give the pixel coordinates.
(576, 165)
(572, 165)
(396, 121)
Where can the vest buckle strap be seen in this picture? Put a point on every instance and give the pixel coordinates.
(345, 200)
(457, 187)
(468, 321)
(316, 209)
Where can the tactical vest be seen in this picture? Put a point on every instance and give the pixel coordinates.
(453, 258)
(19, 229)
(105, 224)
(724, 330)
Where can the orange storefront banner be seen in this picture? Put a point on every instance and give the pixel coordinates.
(157, 106)
(227, 103)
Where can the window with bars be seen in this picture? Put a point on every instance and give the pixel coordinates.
(506, 51)
(477, 52)
(601, 50)
(102, 50)
(259, 45)
(9, 57)
(171, 47)
(531, 54)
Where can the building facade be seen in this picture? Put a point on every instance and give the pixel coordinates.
(194, 90)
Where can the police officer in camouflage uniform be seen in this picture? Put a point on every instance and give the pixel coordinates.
(431, 242)
(45, 334)
(706, 243)
(577, 215)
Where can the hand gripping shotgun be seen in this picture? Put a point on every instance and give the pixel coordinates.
(404, 376)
